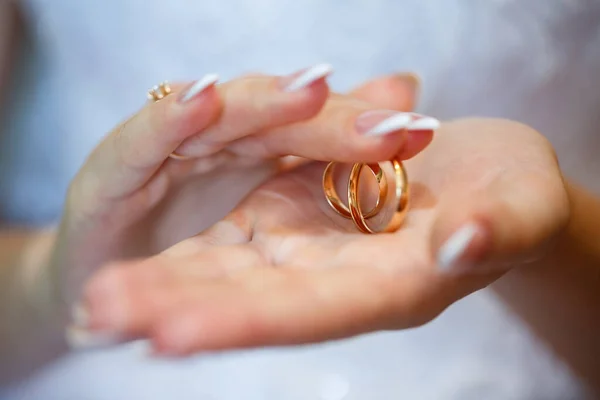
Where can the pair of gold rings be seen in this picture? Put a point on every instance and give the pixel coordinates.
(158, 93)
(354, 211)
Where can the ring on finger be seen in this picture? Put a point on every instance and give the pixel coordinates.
(158, 93)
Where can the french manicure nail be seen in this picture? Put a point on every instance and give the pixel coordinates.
(79, 315)
(78, 338)
(424, 124)
(453, 250)
(384, 122)
(198, 87)
(307, 77)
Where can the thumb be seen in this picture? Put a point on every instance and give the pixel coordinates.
(395, 92)
(510, 220)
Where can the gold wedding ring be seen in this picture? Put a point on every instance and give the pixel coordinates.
(336, 203)
(158, 93)
(354, 211)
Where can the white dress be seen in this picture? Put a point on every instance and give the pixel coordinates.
(537, 61)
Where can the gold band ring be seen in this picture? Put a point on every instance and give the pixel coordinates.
(354, 210)
(401, 199)
(334, 200)
(158, 93)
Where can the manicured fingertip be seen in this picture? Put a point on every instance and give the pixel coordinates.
(79, 315)
(198, 87)
(305, 78)
(463, 248)
(424, 124)
(79, 338)
(384, 122)
(416, 142)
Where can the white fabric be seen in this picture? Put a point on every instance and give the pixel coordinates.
(536, 61)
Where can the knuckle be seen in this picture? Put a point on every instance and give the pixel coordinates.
(257, 102)
(254, 103)
(262, 146)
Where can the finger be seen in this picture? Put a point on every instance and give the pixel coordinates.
(258, 103)
(395, 92)
(284, 307)
(134, 151)
(129, 156)
(520, 208)
(346, 130)
(127, 299)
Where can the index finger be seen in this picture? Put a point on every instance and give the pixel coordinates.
(346, 130)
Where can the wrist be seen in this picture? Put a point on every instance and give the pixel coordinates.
(38, 284)
(33, 320)
(557, 295)
(581, 234)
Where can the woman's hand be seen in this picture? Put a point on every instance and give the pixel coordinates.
(131, 200)
(283, 268)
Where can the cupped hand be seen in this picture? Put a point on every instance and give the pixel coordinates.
(283, 268)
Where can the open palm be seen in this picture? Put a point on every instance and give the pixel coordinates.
(283, 268)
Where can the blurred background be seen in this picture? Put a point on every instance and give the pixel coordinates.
(71, 70)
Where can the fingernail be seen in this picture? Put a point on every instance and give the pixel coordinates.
(303, 79)
(384, 122)
(79, 315)
(452, 253)
(198, 87)
(78, 335)
(424, 124)
(78, 338)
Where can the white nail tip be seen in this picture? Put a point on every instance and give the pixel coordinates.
(79, 338)
(455, 246)
(309, 76)
(200, 85)
(79, 315)
(392, 124)
(426, 123)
